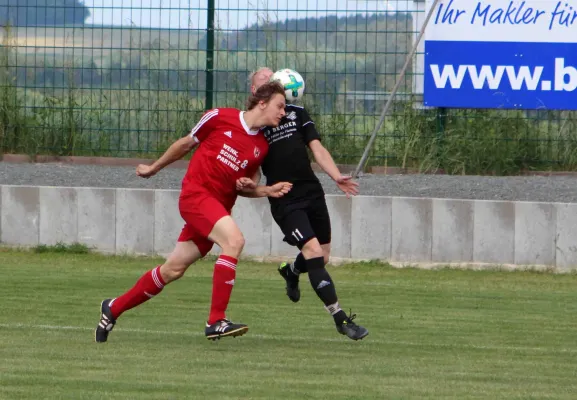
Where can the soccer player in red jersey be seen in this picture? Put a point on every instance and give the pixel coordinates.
(230, 147)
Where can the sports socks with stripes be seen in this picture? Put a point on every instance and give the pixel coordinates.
(324, 287)
(299, 265)
(149, 285)
(222, 284)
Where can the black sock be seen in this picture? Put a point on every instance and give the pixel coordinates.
(299, 265)
(324, 287)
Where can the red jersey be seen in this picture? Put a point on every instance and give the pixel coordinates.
(227, 150)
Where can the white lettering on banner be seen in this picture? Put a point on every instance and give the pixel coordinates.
(520, 78)
(561, 71)
(508, 20)
(519, 54)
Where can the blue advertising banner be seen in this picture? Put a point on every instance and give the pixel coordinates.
(502, 54)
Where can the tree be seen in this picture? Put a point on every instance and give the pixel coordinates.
(42, 12)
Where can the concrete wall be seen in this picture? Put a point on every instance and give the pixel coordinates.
(399, 230)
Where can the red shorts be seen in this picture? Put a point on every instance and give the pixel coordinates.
(200, 212)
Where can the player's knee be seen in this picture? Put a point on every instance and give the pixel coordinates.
(171, 271)
(312, 249)
(234, 244)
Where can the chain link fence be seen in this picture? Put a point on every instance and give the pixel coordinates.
(125, 79)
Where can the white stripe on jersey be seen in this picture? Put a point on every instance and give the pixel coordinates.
(309, 122)
(202, 121)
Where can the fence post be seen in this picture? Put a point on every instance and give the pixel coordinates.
(209, 91)
(441, 122)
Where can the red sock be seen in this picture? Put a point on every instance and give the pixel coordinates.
(148, 286)
(222, 283)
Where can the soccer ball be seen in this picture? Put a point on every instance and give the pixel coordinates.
(292, 81)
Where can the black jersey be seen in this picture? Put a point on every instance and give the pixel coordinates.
(288, 159)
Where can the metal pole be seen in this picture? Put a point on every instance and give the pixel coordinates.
(394, 91)
(441, 122)
(208, 96)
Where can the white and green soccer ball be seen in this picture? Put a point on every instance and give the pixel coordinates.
(292, 81)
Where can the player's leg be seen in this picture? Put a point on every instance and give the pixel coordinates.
(228, 236)
(326, 252)
(149, 285)
(294, 226)
(316, 252)
(298, 265)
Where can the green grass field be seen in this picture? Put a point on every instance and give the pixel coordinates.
(445, 334)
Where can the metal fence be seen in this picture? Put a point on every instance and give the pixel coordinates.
(127, 79)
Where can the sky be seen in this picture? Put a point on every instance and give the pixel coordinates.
(230, 14)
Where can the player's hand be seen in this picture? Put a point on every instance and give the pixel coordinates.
(348, 185)
(245, 183)
(145, 171)
(279, 189)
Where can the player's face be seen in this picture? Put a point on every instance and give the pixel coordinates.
(274, 110)
(261, 78)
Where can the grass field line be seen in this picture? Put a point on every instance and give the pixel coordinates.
(300, 337)
(158, 332)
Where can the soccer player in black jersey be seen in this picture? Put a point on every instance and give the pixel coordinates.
(302, 214)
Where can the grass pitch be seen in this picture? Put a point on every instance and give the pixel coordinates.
(444, 334)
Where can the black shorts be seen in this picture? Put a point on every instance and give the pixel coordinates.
(303, 221)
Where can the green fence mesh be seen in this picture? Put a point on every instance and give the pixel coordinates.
(126, 78)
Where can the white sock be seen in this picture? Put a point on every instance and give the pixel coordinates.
(333, 308)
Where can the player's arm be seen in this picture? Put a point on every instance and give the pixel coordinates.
(182, 146)
(175, 152)
(249, 187)
(323, 158)
(257, 176)
(246, 187)
(313, 139)
(326, 162)
(276, 190)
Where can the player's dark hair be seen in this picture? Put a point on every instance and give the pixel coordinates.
(264, 93)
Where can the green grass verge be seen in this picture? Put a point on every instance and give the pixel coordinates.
(433, 334)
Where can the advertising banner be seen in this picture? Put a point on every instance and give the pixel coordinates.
(502, 54)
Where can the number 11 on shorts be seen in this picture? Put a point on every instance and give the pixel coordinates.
(298, 236)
